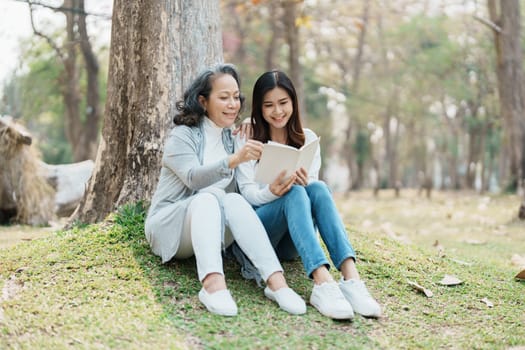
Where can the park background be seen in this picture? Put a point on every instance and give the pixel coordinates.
(420, 109)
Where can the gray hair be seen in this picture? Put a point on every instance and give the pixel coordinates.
(190, 111)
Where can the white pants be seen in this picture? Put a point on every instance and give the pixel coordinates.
(202, 234)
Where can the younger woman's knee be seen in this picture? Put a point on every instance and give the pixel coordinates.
(318, 188)
(297, 192)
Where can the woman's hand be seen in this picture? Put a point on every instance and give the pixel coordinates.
(280, 186)
(244, 130)
(302, 177)
(251, 150)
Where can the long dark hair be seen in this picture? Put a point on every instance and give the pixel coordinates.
(190, 111)
(261, 129)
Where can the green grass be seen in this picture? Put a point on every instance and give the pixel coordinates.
(100, 287)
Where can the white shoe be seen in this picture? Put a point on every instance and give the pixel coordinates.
(287, 299)
(358, 296)
(219, 302)
(329, 301)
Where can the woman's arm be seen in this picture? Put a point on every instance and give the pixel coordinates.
(254, 193)
(181, 157)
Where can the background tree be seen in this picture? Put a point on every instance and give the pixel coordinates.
(157, 48)
(506, 17)
(80, 129)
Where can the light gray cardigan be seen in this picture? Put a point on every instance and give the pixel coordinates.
(181, 176)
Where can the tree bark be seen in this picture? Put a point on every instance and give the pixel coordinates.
(157, 48)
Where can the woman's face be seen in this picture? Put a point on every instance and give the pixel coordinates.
(277, 108)
(224, 102)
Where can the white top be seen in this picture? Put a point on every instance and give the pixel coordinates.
(214, 149)
(258, 194)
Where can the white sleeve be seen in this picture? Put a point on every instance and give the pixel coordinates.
(313, 172)
(255, 193)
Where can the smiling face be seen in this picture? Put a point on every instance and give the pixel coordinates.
(224, 103)
(277, 108)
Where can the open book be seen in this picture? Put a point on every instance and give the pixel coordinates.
(277, 157)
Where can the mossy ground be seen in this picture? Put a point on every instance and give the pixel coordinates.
(99, 286)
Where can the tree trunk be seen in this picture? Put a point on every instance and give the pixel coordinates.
(157, 48)
(89, 135)
(274, 35)
(81, 133)
(506, 15)
(355, 182)
(69, 82)
(292, 39)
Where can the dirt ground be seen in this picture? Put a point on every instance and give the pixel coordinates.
(10, 235)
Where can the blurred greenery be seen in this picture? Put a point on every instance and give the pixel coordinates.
(33, 94)
(426, 79)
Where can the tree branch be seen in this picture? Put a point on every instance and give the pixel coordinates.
(488, 23)
(42, 35)
(66, 9)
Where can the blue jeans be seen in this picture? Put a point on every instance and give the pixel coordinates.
(291, 222)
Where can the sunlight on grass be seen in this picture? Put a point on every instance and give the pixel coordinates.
(464, 226)
(101, 287)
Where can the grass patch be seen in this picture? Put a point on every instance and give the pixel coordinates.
(101, 287)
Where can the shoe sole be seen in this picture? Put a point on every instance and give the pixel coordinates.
(293, 312)
(334, 316)
(216, 311)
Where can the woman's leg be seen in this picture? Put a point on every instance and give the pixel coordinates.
(285, 249)
(291, 213)
(331, 228)
(203, 222)
(295, 207)
(251, 237)
(333, 232)
(249, 233)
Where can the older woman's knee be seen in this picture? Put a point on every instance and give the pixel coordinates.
(205, 199)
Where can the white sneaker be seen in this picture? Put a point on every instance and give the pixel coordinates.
(287, 299)
(329, 301)
(219, 302)
(358, 296)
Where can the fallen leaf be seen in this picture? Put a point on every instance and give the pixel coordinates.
(520, 275)
(450, 280)
(428, 293)
(487, 302)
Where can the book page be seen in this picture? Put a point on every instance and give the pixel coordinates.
(274, 159)
(307, 155)
(277, 157)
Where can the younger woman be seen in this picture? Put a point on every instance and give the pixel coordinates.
(194, 198)
(291, 209)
